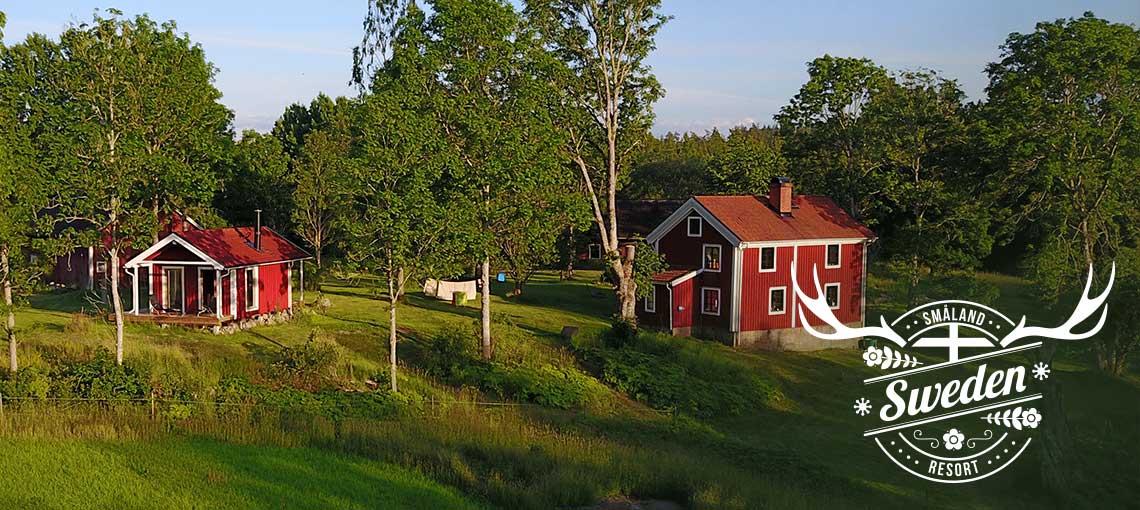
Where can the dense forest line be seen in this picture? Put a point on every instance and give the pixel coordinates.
(432, 170)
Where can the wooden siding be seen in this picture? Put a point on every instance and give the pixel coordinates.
(680, 250)
(659, 318)
(754, 293)
(273, 288)
(683, 304)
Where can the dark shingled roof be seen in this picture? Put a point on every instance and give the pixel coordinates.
(640, 217)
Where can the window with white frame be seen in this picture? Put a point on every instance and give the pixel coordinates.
(832, 256)
(777, 300)
(711, 258)
(595, 251)
(696, 226)
(710, 300)
(651, 301)
(767, 259)
(101, 267)
(831, 292)
(251, 288)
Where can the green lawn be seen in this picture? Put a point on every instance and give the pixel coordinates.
(179, 473)
(803, 449)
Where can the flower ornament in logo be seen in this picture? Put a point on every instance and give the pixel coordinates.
(1041, 371)
(1031, 418)
(953, 439)
(862, 407)
(873, 356)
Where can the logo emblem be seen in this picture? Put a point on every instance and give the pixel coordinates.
(963, 419)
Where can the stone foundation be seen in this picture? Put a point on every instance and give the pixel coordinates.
(264, 319)
(792, 339)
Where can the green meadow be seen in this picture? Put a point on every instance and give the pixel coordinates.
(551, 423)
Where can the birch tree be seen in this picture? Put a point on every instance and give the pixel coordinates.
(605, 104)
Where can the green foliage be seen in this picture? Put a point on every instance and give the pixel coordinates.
(257, 176)
(646, 263)
(100, 378)
(29, 382)
(309, 366)
(622, 333)
(327, 404)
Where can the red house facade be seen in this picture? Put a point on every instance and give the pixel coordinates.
(730, 268)
(214, 276)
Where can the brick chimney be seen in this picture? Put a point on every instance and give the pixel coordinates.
(780, 195)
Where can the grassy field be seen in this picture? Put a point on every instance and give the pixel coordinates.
(799, 448)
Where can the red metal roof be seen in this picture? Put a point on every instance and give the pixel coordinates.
(233, 247)
(813, 217)
(670, 275)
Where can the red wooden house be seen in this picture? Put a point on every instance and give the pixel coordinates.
(730, 268)
(213, 276)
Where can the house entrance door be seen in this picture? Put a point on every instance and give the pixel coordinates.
(174, 291)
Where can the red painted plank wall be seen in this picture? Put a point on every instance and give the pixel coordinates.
(754, 291)
(683, 304)
(680, 250)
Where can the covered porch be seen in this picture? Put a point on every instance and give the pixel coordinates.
(175, 283)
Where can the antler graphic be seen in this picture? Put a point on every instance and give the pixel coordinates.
(818, 307)
(1085, 309)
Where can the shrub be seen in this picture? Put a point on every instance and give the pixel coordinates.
(100, 378)
(621, 333)
(309, 366)
(326, 404)
(447, 353)
(28, 382)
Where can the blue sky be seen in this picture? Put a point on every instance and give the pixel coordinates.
(723, 62)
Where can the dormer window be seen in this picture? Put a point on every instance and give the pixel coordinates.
(696, 226)
(711, 258)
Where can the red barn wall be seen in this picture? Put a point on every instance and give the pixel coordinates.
(659, 318)
(273, 288)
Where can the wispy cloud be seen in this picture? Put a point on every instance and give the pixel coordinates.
(269, 43)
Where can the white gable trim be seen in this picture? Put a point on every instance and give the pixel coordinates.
(166, 241)
(692, 205)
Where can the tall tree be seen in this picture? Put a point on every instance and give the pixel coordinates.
(321, 186)
(402, 224)
(826, 138)
(256, 175)
(24, 186)
(607, 91)
(746, 165)
(109, 144)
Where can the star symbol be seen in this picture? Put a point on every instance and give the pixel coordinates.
(1041, 371)
(862, 407)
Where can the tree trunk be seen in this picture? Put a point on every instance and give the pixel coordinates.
(392, 300)
(10, 329)
(116, 303)
(626, 286)
(485, 271)
(1057, 473)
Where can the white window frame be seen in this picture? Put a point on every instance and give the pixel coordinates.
(255, 272)
(166, 288)
(590, 251)
(651, 300)
(720, 257)
(784, 308)
(760, 262)
(101, 267)
(838, 256)
(700, 226)
(838, 294)
(718, 302)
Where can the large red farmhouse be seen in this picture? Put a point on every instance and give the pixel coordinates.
(730, 268)
(217, 275)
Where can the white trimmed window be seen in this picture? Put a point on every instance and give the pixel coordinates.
(251, 288)
(710, 300)
(777, 300)
(595, 251)
(831, 292)
(651, 301)
(768, 259)
(833, 256)
(101, 266)
(696, 226)
(711, 258)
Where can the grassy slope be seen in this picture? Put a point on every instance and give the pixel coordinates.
(181, 473)
(802, 451)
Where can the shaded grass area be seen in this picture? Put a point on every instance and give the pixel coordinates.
(199, 473)
(798, 448)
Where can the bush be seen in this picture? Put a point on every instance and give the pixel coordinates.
(308, 367)
(326, 404)
(620, 334)
(28, 382)
(100, 378)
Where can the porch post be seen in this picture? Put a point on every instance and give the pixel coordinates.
(302, 282)
(289, 284)
(218, 292)
(135, 290)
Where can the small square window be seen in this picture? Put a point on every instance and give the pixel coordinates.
(831, 292)
(832, 256)
(696, 226)
(595, 251)
(777, 300)
(710, 301)
(651, 301)
(767, 259)
(101, 266)
(712, 258)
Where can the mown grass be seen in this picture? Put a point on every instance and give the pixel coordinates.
(798, 448)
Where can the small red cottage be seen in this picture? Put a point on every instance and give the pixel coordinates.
(210, 277)
(730, 268)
